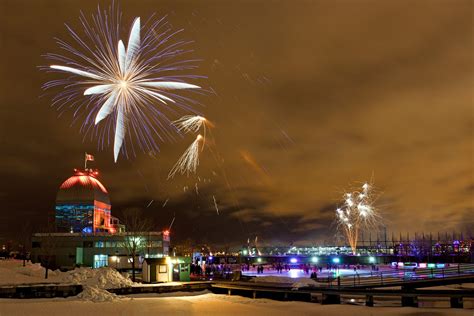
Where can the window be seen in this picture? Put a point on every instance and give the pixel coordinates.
(163, 268)
(155, 244)
(100, 261)
(99, 244)
(110, 244)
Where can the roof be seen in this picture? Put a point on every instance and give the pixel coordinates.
(82, 187)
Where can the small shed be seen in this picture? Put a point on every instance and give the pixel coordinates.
(166, 269)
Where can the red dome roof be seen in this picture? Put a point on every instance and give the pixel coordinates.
(82, 187)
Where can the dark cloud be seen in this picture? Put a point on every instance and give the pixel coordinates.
(310, 96)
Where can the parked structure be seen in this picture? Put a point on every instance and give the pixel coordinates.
(166, 269)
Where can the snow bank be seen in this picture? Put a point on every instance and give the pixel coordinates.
(13, 272)
(95, 283)
(35, 270)
(96, 294)
(102, 278)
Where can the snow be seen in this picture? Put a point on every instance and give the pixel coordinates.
(103, 278)
(95, 298)
(96, 294)
(94, 281)
(207, 304)
(13, 272)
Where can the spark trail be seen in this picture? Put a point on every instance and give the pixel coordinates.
(189, 161)
(215, 204)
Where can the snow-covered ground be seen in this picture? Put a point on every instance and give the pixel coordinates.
(205, 304)
(96, 300)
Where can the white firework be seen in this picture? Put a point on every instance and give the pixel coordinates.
(189, 161)
(123, 80)
(190, 123)
(357, 214)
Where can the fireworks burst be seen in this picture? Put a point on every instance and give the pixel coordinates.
(191, 123)
(107, 78)
(189, 161)
(357, 214)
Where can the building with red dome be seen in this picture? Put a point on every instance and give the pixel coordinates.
(86, 233)
(83, 205)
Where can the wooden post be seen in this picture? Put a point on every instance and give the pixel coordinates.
(409, 301)
(369, 300)
(331, 299)
(456, 302)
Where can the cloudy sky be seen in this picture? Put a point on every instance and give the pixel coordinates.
(310, 98)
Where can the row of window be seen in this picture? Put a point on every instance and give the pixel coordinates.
(115, 244)
(106, 244)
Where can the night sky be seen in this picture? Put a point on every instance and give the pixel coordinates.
(310, 97)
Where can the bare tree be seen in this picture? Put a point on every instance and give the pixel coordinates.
(24, 239)
(136, 235)
(48, 245)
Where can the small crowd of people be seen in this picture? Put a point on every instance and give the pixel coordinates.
(212, 269)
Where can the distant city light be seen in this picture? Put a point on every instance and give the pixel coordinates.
(314, 259)
(371, 259)
(336, 260)
(259, 259)
(245, 252)
(293, 260)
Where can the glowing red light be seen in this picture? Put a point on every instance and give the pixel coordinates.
(84, 179)
(166, 233)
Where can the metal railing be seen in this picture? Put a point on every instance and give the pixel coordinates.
(397, 277)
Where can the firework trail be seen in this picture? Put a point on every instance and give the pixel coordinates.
(124, 84)
(357, 214)
(215, 204)
(189, 161)
(164, 204)
(151, 202)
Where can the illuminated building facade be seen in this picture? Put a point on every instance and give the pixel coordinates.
(88, 235)
(68, 250)
(83, 205)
